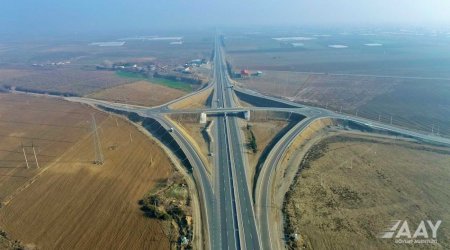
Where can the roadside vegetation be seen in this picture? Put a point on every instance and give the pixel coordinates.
(251, 139)
(349, 187)
(170, 203)
(7, 244)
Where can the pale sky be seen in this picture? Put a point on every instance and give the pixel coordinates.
(20, 16)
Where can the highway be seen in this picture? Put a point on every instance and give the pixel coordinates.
(229, 217)
(231, 167)
(263, 193)
(224, 182)
(200, 175)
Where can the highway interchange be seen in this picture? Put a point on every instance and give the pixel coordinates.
(231, 217)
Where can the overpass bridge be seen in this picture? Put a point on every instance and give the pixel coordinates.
(227, 208)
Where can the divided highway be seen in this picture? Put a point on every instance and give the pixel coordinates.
(235, 203)
(228, 212)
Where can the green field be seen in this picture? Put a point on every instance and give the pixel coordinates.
(160, 81)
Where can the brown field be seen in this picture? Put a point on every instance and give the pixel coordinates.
(70, 203)
(352, 186)
(71, 80)
(199, 100)
(406, 78)
(11, 74)
(319, 89)
(419, 104)
(139, 93)
(52, 125)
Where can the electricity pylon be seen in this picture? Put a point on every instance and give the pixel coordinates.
(97, 147)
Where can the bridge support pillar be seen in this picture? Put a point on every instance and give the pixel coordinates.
(202, 118)
(247, 115)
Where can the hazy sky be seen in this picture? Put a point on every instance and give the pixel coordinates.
(119, 15)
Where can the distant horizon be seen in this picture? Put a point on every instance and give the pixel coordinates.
(287, 29)
(50, 17)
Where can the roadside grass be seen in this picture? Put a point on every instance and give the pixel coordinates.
(350, 187)
(177, 192)
(160, 81)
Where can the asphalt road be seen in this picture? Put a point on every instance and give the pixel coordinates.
(228, 215)
(236, 207)
(207, 198)
(263, 193)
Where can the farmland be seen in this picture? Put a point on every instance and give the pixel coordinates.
(404, 77)
(351, 186)
(139, 93)
(67, 66)
(67, 80)
(69, 202)
(80, 51)
(160, 81)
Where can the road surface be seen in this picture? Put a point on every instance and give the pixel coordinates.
(228, 209)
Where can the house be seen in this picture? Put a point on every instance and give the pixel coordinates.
(186, 71)
(245, 73)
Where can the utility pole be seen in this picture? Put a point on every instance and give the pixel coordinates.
(35, 157)
(25, 156)
(97, 147)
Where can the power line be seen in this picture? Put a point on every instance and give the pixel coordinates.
(13, 104)
(43, 124)
(25, 155)
(99, 159)
(36, 138)
(35, 157)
